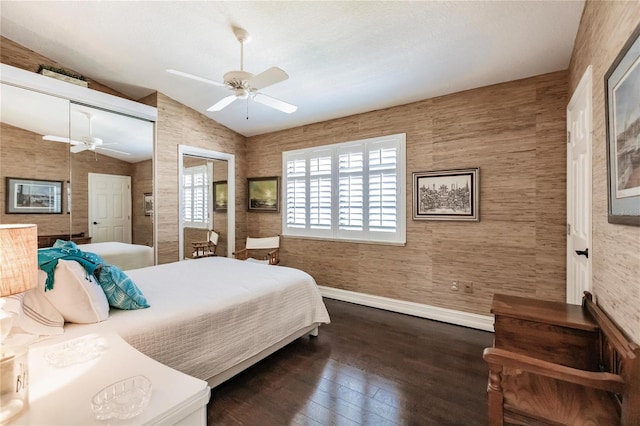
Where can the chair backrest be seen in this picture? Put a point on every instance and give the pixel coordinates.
(213, 237)
(263, 243)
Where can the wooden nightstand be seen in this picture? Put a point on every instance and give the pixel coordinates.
(552, 331)
(62, 396)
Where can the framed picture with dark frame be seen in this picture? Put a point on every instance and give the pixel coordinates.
(264, 194)
(33, 196)
(148, 203)
(220, 196)
(446, 195)
(622, 105)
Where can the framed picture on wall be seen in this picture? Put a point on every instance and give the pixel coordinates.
(220, 196)
(148, 203)
(264, 194)
(446, 195)
(622, 104)
(28, 196)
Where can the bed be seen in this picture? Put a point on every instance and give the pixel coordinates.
(123, 255)
(213, 317)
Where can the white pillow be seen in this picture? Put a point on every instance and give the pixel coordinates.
(76, 294)
(33, 314)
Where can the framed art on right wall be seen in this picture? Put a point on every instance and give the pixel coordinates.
(622, 105)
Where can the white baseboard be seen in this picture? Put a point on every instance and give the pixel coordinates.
(466, 319)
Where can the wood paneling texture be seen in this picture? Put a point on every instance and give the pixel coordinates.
(515, 133)
(141, 183)
(604, 29)
(180, 125)
(24, 154)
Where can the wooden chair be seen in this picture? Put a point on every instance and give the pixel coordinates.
(266, 249)
(206, 248)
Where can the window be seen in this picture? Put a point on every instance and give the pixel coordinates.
(197, 197)
(349, 191)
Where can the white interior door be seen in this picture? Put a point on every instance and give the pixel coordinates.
(579, 253)
(109, 208)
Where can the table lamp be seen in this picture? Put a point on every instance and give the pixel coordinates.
(18, 273)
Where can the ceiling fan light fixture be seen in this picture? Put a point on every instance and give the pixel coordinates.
(242, 93)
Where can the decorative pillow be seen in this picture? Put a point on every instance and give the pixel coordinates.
(33, 314)
(76, 294)
(120, 290)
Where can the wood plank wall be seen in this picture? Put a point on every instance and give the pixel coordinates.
(515, 133)
(141, 183)
(604, 29)
(24, 154)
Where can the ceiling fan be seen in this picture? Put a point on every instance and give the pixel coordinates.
(85, 143)
(244, 84)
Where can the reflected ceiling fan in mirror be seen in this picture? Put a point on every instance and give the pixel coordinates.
(244, 84)
(85, 143)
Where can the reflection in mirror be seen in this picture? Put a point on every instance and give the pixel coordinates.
(201, 211)
(111, 176)
(26, 116)
(206, 200)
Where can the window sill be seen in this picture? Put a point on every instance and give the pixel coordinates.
(344, 240)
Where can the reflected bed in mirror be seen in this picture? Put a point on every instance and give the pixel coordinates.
(51, 138)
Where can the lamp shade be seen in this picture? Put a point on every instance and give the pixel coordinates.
(18, 258)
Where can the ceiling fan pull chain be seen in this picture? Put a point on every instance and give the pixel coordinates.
(247, 108)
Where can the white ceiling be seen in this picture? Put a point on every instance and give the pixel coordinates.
(342, 58)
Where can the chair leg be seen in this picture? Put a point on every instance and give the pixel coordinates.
(494, 395)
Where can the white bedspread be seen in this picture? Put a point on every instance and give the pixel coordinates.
(124, 256)
(209, 314)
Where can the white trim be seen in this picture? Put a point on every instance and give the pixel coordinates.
(466, 319)
(231, 193)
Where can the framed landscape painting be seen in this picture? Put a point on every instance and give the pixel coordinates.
(28, 196)
(446, 195)
(264, 194)
(622, 104)
(220, 195)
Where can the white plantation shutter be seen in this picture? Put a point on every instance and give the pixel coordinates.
(349, 191)
(196, 197)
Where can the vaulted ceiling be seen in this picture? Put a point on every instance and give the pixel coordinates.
(342, 58)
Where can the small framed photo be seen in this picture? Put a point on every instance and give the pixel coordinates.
(622, 105)
(446, 195)
(220, 196)
(28, 196)
(264, 194)
(148, 203)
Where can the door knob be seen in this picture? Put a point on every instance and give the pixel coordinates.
(95, 223)
(584, 252)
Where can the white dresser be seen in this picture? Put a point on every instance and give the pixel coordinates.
(62, 395)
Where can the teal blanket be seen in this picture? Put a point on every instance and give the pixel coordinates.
(66, 250)
(120, 290)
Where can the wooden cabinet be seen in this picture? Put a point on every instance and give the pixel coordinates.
(551, 331)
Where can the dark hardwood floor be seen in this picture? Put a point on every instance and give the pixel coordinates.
(368, 367)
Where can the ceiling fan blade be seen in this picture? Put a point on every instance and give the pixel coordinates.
(112, 150)
(79, 148)
(61, 139)
(195, 77)
(274, 103)
(267, 78)
(222, 103)
(55, 138)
